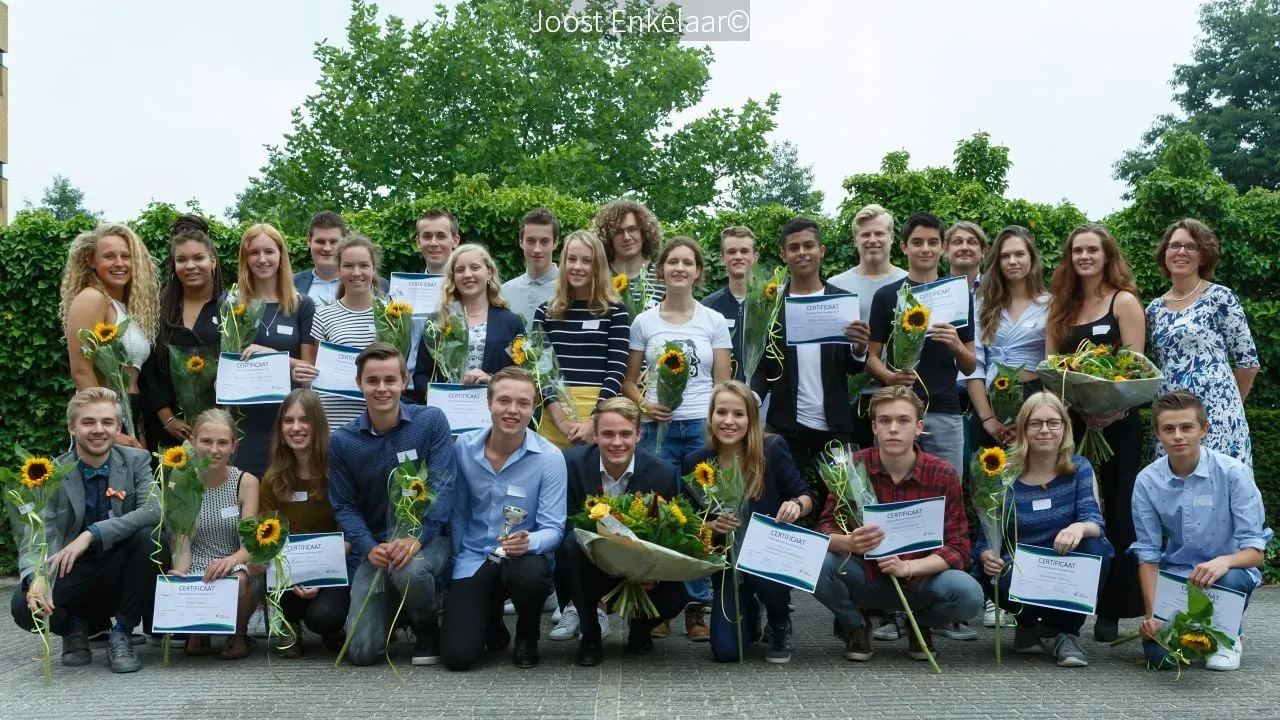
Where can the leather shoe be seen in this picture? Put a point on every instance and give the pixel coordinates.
(639, 644)
(525, 654)
(498, 639)
(590, 653)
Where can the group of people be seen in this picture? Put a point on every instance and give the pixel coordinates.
(323, 461)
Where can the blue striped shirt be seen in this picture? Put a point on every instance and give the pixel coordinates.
(592, 349)
(360, 464)
(1041, 513)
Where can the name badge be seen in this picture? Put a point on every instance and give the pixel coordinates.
(230, 513)
(1041, 504)
(301, 495)
(590, 324)
(1101, 329)
(1203, 501)
(284, 329)
(410, 454)
(516, 491)
(731, 322)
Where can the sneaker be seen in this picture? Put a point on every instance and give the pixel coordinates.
(555, 616)
(603, 619)
(1105, 630)
(779, 644)
(1067, 651)
(426, 649)
(258, 623)
(661, 630)
(958, 631)
(290, 648)
(1227, 658)
(914, 651)
(890, 626)
(121, 654)
(1027, 640)
(695, 622)
(857, 644)
(989, 617)
(551, 604)
(567, 628)
(508, 608)
(75, 647)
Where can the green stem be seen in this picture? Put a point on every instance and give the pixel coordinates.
(998, 623)
(351, 632)
(915, 627)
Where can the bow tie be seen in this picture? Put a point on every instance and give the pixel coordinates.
(89, 472)
(117, 494)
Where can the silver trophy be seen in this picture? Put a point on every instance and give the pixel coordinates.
(515, 516)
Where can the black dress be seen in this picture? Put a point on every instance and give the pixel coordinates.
(1121, 595)
(155, 381)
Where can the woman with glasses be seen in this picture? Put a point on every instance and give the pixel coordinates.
(1053, 505)
(1200, 337)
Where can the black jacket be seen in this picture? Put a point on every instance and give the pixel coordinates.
(652, 474)
(782, 480)
(723, 302)
(502, 327)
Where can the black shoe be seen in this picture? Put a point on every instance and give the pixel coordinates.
(779, 644)
(120, 652)
(639, 644)
(1105, 630)
(1027, 640)
(426, 648)
(75, 647)
(498, 640)
(590, 652)
(915, 651)
(526, 653)
(334, 642)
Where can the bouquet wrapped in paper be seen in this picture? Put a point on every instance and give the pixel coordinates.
(760, 333)
(636, 295)
(104, 347)
(672, 375)
(264, 538)
(445, 337)
(238, 321)
(1005, 393)
(1190, 634)
(993, 477)
(193, 375)
(536, 354)
(643, 537)
(1100, 380)
(910, 322)
(181, 492)
(393, 323)
(27, 493)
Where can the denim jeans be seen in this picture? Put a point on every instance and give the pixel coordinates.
(681, 438)
(773, 597)
(1235, 579)
(951, 596)
(944, 436)
(418, 579)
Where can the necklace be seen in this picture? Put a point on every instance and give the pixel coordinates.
(1194, 290)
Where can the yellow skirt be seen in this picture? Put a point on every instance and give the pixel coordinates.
(584, 402)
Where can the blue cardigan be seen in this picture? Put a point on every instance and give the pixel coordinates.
(502, 327)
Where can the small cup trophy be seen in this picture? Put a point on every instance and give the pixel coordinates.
(515, 516)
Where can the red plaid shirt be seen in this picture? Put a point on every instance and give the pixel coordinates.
(931, 477)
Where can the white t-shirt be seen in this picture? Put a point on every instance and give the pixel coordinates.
(700, 337)
(809, 410)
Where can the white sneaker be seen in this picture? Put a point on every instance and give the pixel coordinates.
(567, 627)
(552, 603)
(888, 629)
(257, 623)
(1227, 658)
(555, 616)
(603, 619)
(989, 617)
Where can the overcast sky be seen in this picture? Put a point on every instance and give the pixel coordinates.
(140, 100)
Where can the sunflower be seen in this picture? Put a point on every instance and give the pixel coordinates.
(705, 536)
(518, 357)
(175, 458)
(518, 344)
(599, 510)
(704, 474)
(620, 282)
(673, 360)
(1197, 641)
(992, 460)
(195, 364)
(590, 503)
(1100, 350)
(267, 532)
(105, 332)
(35, 471)
(917, 318)
(771, 291)
(1119, 378)
(418, 490)
(677, 513)
(1001, 384)
(396, 310)
(637, 508)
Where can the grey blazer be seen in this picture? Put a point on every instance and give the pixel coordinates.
(139, 510)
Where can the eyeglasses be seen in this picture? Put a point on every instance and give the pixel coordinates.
(1037, 425)
(1188, 248)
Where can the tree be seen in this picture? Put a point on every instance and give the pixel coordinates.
(63, 199)
(1229, 95)
(404, 110)
(785, 182)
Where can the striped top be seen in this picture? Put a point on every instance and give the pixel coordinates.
(592, 349)
(336, 323)
(657, 288)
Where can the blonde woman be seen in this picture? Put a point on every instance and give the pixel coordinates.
(590, 331)
(109, 278)
(471, 283)
(287, 317)
(1055, 506)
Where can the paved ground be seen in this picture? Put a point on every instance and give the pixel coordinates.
(678, 680)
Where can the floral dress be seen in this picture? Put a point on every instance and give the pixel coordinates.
(1195, 348)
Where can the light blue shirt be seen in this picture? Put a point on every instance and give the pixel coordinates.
(534, 477)
(1014, 344)
(525, 294)
(324, 292)
(1216, 510)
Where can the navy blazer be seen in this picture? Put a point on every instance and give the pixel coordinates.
(782, 480)
(723, 302)
(502, 327)
(652, 474)
(782, 381)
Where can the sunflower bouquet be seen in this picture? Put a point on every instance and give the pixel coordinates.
(446, 337)
(643, 537)
(181, 492)
(536, 354)
(760, 334)
(723, 492)
(1100, 380)
(264, 538)
(104, 347)
(393, 323)
(238, 321)
(27, 493)
(193, 376)
(1190, 635)
(993, 477)
(671, 378)
(1006, 393)
(635, 295)
(910, 323)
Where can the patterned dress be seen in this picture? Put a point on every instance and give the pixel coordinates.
(217, 536)
(1195, 348)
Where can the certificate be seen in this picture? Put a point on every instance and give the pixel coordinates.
(783, 553)
(466, 406)
(190, 605)
(909, 526)
(420, 290)
(260, 380)
(1228, 604)
(312, 560)
(1062, 582)
(947, 300)
(819, 319)
(336, 365)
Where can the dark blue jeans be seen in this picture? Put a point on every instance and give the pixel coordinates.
(774, 598)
